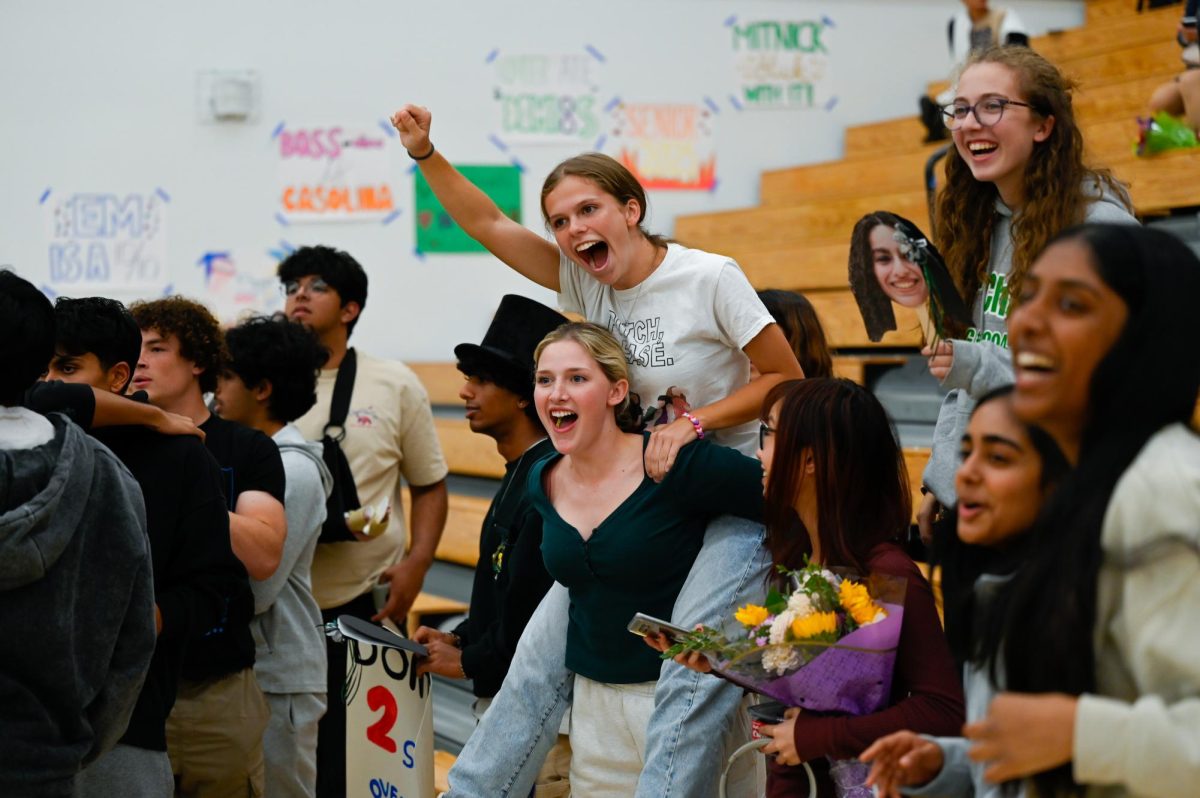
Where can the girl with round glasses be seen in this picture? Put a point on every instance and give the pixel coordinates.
(1014, 178)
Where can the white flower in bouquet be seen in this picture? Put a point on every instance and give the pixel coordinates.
(800, 604)
(780, 626)
(781, 659)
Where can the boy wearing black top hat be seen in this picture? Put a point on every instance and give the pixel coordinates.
(510, 578)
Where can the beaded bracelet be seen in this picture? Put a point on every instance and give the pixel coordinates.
(695, 423)
(423, 157)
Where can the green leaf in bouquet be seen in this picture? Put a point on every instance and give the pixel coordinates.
(705, 640)
(776, 602)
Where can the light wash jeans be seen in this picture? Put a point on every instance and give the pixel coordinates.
(697, 720)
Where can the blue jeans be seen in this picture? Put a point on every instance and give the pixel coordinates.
(695, 724)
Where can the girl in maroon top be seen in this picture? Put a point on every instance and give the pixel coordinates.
(837, 492)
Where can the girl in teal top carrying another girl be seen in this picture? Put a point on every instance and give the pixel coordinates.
(619, 541)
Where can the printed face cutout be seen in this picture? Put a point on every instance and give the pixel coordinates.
(900, 279)
(892, 263)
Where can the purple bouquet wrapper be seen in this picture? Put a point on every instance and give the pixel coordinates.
(853, 676)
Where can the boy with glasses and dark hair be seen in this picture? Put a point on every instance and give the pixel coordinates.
(98, 344)
(389, 434)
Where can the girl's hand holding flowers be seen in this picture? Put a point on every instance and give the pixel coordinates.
(692, 660)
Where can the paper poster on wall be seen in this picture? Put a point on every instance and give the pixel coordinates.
(240, 282)
(781, 63)
(333, 173)
(666, 146)
(103, 243)
(545, 98)
(389, 723)
(437, 232)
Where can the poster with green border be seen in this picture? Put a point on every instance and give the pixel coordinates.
(437, 232)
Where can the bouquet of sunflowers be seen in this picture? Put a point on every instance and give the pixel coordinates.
(827, 645)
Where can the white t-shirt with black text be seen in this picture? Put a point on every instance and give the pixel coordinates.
(684, 326)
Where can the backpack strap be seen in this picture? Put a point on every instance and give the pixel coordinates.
(339, 406)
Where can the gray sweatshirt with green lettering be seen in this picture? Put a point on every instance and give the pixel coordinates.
(982, 362)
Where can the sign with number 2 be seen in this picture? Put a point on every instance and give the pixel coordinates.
(389, 724)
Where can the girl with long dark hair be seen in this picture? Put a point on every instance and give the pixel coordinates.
(837, 494)
(1007, 470)
(1095, 634)
(800, 325)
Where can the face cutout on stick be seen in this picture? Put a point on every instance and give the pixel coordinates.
(893, 263)
(901, 280)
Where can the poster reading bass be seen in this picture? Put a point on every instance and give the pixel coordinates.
(333, 173)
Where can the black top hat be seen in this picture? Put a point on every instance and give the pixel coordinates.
(517, 328)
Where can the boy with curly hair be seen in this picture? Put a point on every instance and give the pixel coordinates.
(270, 381)
(214, 734)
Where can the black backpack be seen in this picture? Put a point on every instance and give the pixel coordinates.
(344, 496)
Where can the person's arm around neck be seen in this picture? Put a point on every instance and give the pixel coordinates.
(518, 246)
(115, 411)
(775, 361)
(257, 531)
(430, 504)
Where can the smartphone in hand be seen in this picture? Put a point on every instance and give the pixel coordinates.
(643, 625)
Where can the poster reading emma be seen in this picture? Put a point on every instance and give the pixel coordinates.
(666, 146)
(333, 173)
(389, 724)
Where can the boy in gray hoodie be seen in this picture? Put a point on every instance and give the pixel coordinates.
(76, 596)
(271, 380)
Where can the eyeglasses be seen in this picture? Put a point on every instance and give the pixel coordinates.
(987, 112)
(314, 286)
(764, 432)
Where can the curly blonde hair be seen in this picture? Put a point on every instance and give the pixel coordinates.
(1058, 185)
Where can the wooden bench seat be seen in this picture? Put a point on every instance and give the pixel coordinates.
(803, 267)
(464, 519)
(427, 604)
(442, 762)
(1110, 34)
(904, 171)
(466, 452)
(1101, 10)
(796, 224)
